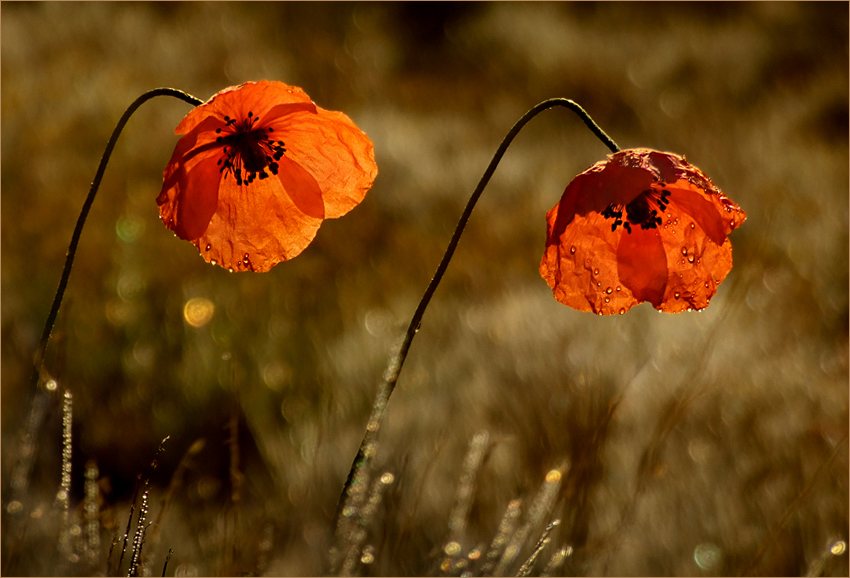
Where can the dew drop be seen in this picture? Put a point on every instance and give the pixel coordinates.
(230, 269)
(706, 284)
(609, 290)
(676, 294)
(693, 226)
(208, 247)
(684, 250)
(596, 271)
(213, 262)
(683, 261)
(690, 258)
(607, 300)
(572, 250)
(598, 284)
(622, 311)
(618, 287)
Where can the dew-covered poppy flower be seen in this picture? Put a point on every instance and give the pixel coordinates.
(640, 226)
(258, 170)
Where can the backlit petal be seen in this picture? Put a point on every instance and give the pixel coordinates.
(581, 267)
(256, 227)
(332, 149)
(237, 101)
(302, 188)
(642, 264)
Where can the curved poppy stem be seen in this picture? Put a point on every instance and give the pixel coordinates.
(356, 483)
(81, 220)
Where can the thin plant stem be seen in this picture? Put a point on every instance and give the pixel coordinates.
(38, 359)
(397, 358)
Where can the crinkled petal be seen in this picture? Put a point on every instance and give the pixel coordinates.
(331, 148)
(256, 227)
(642, 264)
(189, 194)
(237, 101)
(696, 263)
(301, 187)
(581, 267)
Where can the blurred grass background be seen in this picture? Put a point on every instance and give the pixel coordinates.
(701, 443)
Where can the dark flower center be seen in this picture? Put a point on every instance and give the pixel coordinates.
(248, 151)
(639, 211)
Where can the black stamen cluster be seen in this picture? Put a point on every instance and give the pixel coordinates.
(249, 149)
(638, 211)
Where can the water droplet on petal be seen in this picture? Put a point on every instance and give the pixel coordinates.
(693, 226)
(572, 249)
(230, 269)
(618, 287)
(676, 294)
(684, 250)
(596, 271)
(690, 258)
(213, 262)
(607, 300)
(609, 290)
(208, 247)
(622, 310)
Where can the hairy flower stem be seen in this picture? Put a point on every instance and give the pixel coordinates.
(367, 446)
(38, 359)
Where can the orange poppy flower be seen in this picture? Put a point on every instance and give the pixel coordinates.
(640, 226)
(258, 171)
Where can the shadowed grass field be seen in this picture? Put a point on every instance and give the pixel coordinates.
(707, 443)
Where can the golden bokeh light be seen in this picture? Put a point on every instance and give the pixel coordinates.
(198, 311)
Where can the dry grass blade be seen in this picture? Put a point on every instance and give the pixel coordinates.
(466, 486)
(544, 540)
(541, 506)
(507, 526)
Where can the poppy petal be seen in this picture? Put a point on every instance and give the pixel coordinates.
(696, 264)
(302, 188)
(196, 199)
(642, 264)
(581, 267)
(237, 101)
(256, 227)
(339, 155)
(705, 213)
(189, 193)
